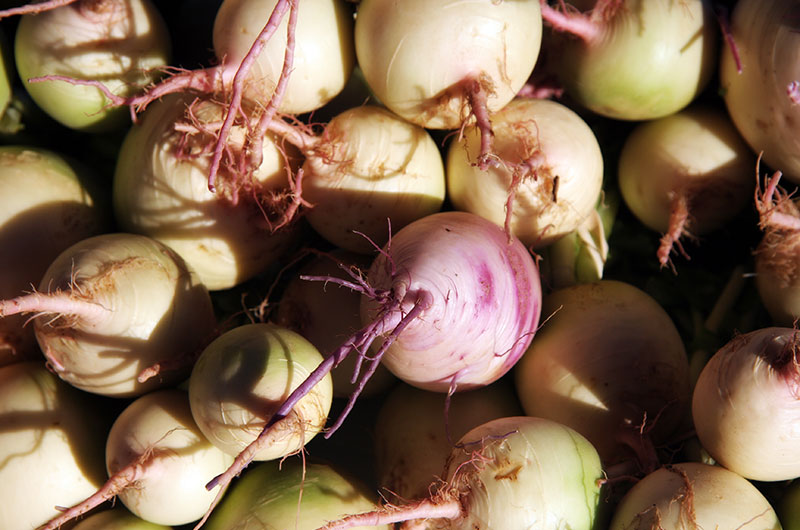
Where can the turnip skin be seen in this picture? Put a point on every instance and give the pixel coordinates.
(50, 448)
(649, 59)
(768, 46)
(241, 378)
(293, 494)
(370, 165)
(128, 43)
(694, 495)
(47, 203)
(459, 41)
(162, 192)
(551, 151)
(324, 56)
(148, 307)
(746, 405)
(607, 361)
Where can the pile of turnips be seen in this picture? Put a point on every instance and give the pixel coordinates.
(431, 264)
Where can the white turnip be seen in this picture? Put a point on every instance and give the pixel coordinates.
(610, 363)
(516, 473)
(370, 172)
(323, 55)
(112, 305)
(243, 376)
(760, 81)
(47, 203)
(477, 55)
(746, 404)
(688, 173)
(777, 261)
(694, 495)
(633, 59)
(293, 495)
(50, 447)
(157, 461)
(548, 177)
(160, 190)
(124, 44)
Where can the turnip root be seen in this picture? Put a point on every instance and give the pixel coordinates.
(746, 405)
(47, 203)
(759, 83)
(477, 55)
(693, 495)
(292, 494)
(157, 461)
(326, 314)
(416, 430)
(50, 445)
(548, 177)
(124, 44)
(160, 190)
(609, 363)
(685, 174)
(633, 59)
(366, 167)
(112, 305)
(243, 376)
(453, 304)
(515, 473)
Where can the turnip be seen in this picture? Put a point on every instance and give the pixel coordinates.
(610, 363)
(124, 44)
(746, 405)
(453, 304)
(47, 203)
(548, 178)
(51, 446)
(759, 84)
(777, 263)
(160, 190)
(243, 376)
(293, 495)
(514, 473)
(477, 55)
(633, 59)
(112, 305)
(323, 55)
(685, 174)
(416, 430)
(366, 167)
(157, 461)
(693, 495)
(326, 314)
